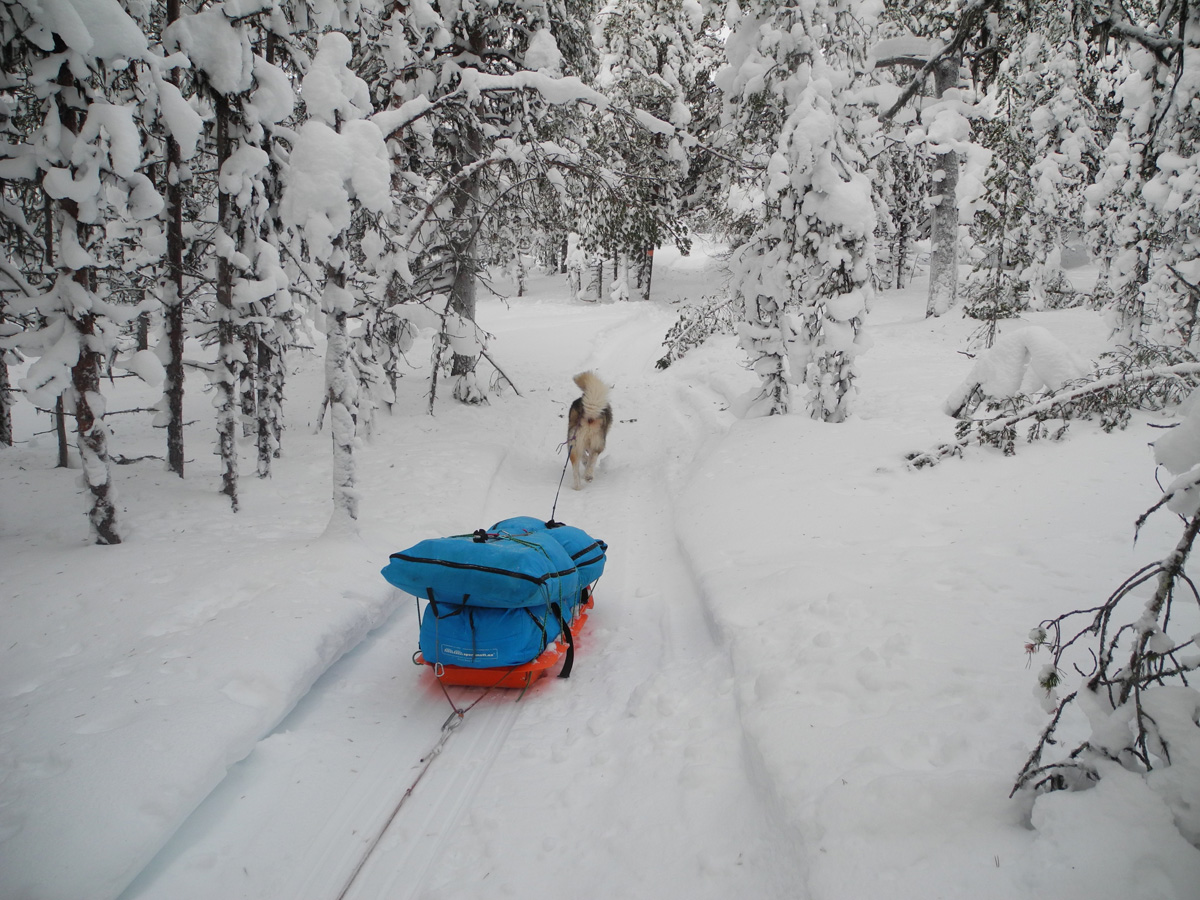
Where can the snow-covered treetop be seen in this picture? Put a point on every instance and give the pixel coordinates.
(339, 156)
(93, 29)
(331, 91)
(215, 47)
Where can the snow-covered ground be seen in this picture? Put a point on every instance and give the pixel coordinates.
(804, 677)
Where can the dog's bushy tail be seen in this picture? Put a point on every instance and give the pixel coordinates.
(595, 391)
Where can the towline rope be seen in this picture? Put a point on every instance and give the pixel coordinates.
(568, 444)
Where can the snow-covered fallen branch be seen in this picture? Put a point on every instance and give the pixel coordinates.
(1110, 395)
(713, 315)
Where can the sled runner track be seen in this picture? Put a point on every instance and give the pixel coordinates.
(401, 814)
(412, 842)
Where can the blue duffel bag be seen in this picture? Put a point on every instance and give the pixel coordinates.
(478, 637)
(488, 570)
(586, 552)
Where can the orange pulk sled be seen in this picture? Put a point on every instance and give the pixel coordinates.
(502, 605)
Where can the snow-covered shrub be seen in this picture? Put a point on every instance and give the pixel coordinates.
(1019, 363)
(1134, 654)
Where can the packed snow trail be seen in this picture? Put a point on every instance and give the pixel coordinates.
(642, 744)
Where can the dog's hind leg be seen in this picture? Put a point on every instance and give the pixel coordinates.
(575, 467)
(590, 469)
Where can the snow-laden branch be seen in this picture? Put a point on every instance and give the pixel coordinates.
(909, 51)
(1057, 403)
(972, 17)
(1161, 45)
(14, 274)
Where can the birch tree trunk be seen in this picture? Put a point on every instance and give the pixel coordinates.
(341, 389)
(225, 376)
(646, 271)
(466, 263)
(943, 225)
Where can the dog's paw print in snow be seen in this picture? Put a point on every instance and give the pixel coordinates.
(650, 697)
(253, 691)
(41, 765)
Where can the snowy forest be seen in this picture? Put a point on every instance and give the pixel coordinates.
(195, 194)
(227, 171)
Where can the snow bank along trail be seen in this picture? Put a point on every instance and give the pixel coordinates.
(641, 747)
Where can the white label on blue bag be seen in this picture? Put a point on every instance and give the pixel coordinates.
(469, 652)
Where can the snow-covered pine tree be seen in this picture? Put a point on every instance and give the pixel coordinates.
(338, 166)
(88, 152)
(12, 282)
(1150, 171)
(917, 41)
(1066, 131)
(21, 246)
(996, 289)
(939, 41)
(786, 88)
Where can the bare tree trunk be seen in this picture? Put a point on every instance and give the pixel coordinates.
(597, 278)
(264, 365)
(646, 272)
(143, 328)
(247, 378)
(60, 430)
(6, 428)
(900, 249)
(173, 297)
(60, 413)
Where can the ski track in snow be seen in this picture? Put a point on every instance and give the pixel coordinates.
(503, 809)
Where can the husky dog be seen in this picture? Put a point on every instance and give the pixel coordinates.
(587, 425)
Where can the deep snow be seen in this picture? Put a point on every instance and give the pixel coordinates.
(804, 676)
